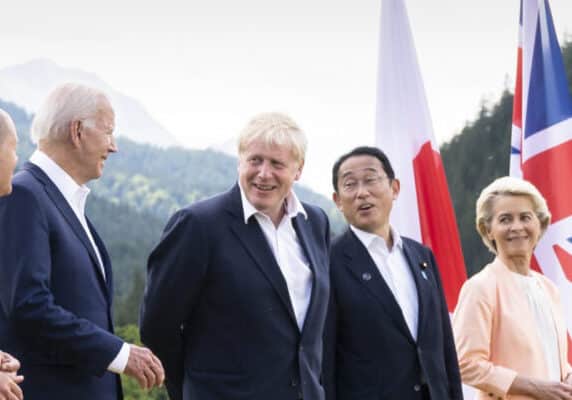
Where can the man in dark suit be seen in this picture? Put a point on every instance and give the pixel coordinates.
(8, 156)
(9, 366)
(56, 281)
(389, 334)
(238, 287)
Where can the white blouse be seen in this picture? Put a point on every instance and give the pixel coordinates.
(542, 312)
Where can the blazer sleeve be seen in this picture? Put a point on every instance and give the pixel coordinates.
(450, 354)
(25, 291)
(329, 358)
(175, 275)
(473, 325)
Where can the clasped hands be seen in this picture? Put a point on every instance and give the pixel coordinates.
(145, 367)
(9, 378)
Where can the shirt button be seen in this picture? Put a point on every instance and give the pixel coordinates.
(417, 388)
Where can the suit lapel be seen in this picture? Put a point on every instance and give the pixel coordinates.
(365, 271)
(252, 238)
(303, 232)
(421, 276)
(108, 281)
(62, 205)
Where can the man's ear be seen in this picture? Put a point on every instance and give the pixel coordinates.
(299, 172)
(337, 200)
(75, 132)
(395, 188)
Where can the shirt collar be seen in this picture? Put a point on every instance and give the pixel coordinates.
(75, 194)
(293, 206)
(368, 238)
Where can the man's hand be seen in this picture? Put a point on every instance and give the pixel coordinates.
(145, 367)
(8, 363)
(9, 389)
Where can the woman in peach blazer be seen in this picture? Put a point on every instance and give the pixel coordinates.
(509, 326)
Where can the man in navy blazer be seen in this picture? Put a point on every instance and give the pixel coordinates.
(56, 282)
(9, 366)
(389, 334)
(238, 286)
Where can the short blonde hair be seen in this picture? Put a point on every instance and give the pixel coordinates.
(274, 129)
(508, 186)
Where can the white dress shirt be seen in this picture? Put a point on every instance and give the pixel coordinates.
(287, 251)
(395, 270)
(542, 312)
(76, 197)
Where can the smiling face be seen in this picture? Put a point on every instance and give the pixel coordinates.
(266, 174)
(514, 227)
(365, 194)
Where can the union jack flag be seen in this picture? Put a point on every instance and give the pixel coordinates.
(541, 145)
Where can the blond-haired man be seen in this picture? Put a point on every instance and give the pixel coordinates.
(238, 286)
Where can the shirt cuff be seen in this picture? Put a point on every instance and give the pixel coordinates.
(120, 361)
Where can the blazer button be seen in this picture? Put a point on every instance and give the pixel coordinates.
(417, 388)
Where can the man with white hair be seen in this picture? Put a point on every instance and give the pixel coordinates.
(9, 366)
(56, 283)
(238, 286)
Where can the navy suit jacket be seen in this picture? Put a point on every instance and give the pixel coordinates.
(371, 354)
(217, 310)
(55, 313)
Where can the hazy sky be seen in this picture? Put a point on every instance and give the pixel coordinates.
(203, 68)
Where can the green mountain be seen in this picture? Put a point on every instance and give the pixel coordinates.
(141, 187)
(474, 158)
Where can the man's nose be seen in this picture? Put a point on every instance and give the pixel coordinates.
(362, 190)
(265, 169)
(113, 148)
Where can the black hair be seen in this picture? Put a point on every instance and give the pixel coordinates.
(363, 151)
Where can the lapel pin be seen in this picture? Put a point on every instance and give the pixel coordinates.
(423, 265)
(366, 276)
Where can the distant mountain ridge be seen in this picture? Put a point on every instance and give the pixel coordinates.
(28, 84)
(141, 187)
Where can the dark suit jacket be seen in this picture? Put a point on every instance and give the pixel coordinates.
(55, 311)
(370, 352)
(217, 310)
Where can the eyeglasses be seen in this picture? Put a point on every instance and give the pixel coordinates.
(351, 185)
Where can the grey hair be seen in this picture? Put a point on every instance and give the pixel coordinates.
(508, 186)
(274, 129)
(65, 104)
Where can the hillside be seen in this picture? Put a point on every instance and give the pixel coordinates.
(141, 187)
(472, 159)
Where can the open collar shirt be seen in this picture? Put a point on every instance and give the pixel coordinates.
(287, 251)
(393, 267)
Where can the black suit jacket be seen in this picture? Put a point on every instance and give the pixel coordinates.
(56, 305)
(217, 310)
(371, 354)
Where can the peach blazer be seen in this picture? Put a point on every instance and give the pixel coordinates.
(495, 332)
